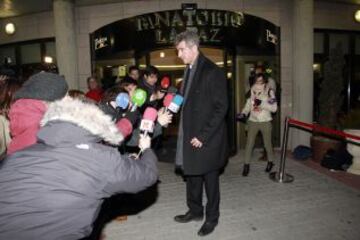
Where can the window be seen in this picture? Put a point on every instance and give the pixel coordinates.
(357, 45)
(343, 39)
(7, 52)
(319, 43)
(30, 53)
(50, 50)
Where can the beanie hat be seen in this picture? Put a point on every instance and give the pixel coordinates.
(43, 86)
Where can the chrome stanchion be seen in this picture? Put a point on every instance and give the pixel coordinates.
(281, 176)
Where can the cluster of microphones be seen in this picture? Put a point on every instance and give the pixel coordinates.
(171, 103)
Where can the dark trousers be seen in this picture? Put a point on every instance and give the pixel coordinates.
(194, 193)
(122, 204)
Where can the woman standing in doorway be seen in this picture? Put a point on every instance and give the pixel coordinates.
(259, 106)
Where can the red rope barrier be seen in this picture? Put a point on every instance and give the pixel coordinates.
(301, 124)
(319, 128)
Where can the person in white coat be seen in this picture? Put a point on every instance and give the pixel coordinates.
(259, 108)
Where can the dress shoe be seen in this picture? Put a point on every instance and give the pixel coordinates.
(178, 171)
(188, 217)
(246, 169)
(207, 228)
(269, 166)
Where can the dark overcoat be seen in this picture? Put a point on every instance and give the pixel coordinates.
(203, 117)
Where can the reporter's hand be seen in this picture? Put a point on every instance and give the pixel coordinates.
(144, 142)
(164, 117)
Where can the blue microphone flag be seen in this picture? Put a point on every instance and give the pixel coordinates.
(176, 103)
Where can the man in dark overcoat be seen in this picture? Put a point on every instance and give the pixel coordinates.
(202, 140)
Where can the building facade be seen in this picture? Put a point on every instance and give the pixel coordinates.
(296, 40)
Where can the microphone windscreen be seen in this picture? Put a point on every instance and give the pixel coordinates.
(178, 100)
(176, 103)
(150, 114)
(122, 100)
(168, 99)
(125, 127)
(139, 97)
(148, 121)
(165, 82)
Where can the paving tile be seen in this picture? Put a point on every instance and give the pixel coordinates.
(314, 207)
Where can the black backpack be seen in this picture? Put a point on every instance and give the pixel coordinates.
(337, 160)
(302, 152)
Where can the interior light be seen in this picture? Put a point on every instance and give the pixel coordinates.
(189, 6)
(10, 28)
(316, 67)
(7, 60)
(357, 16)
(162, 54)
(170, 66)
(48, 59)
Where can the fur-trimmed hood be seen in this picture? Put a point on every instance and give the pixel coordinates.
(85, 115)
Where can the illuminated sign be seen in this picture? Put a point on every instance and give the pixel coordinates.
(206, 22)
(216, 28)
(101, 42)
(271, 37)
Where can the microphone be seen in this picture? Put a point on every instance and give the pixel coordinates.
(125, 127)
(164, 84)
(176, 103)
(138, 99)
(148, 121)
(167, 100)
(122, 100)
(126, 123)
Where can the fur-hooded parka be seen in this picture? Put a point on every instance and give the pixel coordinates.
(54, 188)
(86, 115)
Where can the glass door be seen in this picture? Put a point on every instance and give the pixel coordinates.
(245, 65)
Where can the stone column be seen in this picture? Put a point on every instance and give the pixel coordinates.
(65, 37)
(303, 52)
